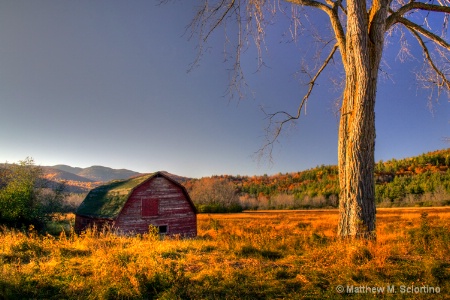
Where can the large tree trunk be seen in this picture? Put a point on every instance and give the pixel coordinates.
(356, 149)
(356, 160)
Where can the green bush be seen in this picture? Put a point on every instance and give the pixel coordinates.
(217, 208)
(24, 198)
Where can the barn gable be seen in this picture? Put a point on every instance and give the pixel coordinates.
(134, 204)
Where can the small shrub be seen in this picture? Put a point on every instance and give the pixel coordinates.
(284, 274)
(170, 284)
(208, 248)
(361, 255)
(303, 225)
(28, 249)
(428, 238)
(441, 272)
(215, 224)
(249, 250)
(171, 255)
(272, 255)
(317, 238)
(359, 277)
(70, 252)
(124, 258)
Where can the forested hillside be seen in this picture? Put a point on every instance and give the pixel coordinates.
(418, 181)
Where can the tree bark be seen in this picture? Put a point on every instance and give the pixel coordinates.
(356, 159)
(356, 148)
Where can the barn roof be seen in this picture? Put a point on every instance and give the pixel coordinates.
(107, 201)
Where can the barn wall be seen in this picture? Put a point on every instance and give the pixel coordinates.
(174, 209)
(82, 223)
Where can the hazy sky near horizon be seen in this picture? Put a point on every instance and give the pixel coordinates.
(105, 83)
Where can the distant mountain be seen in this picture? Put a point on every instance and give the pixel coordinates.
(73, 182)
(178, 178)
(67, 168)
(98, 173)
(55, 174)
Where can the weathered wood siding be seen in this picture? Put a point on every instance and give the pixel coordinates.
(174, 209)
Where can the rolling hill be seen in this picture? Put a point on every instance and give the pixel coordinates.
(67, 168)
(98, 173)
(54, 174)
(81, 180)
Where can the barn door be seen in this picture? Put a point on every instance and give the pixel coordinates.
(150, 207)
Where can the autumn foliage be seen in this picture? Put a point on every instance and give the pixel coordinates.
(418, 181)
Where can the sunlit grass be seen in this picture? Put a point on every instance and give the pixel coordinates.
(257, 255)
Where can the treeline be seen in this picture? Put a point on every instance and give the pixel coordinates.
(418, 181)
(214, 195)
(422, 181)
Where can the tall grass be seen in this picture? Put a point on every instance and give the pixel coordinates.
(260, 255)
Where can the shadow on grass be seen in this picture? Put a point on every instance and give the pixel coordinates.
(30, 290)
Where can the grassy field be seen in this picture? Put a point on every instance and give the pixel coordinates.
(254, 255)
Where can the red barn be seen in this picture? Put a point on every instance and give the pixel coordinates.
(130, 206)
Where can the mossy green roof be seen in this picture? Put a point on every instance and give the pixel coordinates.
(107, 201)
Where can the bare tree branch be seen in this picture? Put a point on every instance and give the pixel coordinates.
(441, 82)
(445, 81)
(312, 3)
(338, 28)
(287, 117)
(332, 10)
(435, 38)
(220, 19)
(412, 5)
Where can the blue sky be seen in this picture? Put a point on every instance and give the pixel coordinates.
(105, 83)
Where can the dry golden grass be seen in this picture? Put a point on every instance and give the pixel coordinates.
(251, 255)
